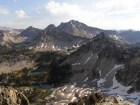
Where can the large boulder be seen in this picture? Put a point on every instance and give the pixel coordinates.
(10, 96)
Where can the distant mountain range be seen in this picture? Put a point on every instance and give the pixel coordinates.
(6, 29)
(131, 36)
(57, 40)
(8, 37)
(77, 28)
(31, 36)
(105, 59)
(15, 36)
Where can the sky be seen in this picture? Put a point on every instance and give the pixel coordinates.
(105, 14)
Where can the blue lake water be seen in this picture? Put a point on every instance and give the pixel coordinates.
(36, 71)
(43, 86)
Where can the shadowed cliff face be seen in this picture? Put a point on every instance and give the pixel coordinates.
(10, 96)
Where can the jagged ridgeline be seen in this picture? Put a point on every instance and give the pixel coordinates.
(71, 53)
(62, 37)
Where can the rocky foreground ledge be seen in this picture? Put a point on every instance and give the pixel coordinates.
(70, 95)
(10, 96)
(66, 95)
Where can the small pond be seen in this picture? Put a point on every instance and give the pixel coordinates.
(36, 71)
(42, 86)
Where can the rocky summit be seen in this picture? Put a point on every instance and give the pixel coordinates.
(10, 96)
(29, 34)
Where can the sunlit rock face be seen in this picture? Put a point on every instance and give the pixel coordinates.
(70, 95)
(10, 96)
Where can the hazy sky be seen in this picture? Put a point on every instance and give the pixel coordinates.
(105, 14)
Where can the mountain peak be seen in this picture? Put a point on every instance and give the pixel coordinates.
(30, 33)
(30, 27)
(74, 21)
(50, 27)
(76, 28)
(103, 38)
(14, 32)
(102, 35)
(71, 23)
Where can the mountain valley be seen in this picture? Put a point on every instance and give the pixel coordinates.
(74, 55)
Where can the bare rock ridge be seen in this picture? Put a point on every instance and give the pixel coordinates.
(70, 95)
(80, 29)
(131, 36)
(10, 96)
(77, 28)
(8, 37)
(14, 32)
(50, 27)
(19, 35)
(51, 39)
(6, 29)
(29, 34)
(72, 27)
(56, 40)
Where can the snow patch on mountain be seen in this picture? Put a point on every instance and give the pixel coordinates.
(42, 45)
(46, 46)
(88, 58)
(117, 88)
(100, 82)
(115, 67)
(79, 41)
(116, 37)
(100, 73)
(86, 79)
(25, 37)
